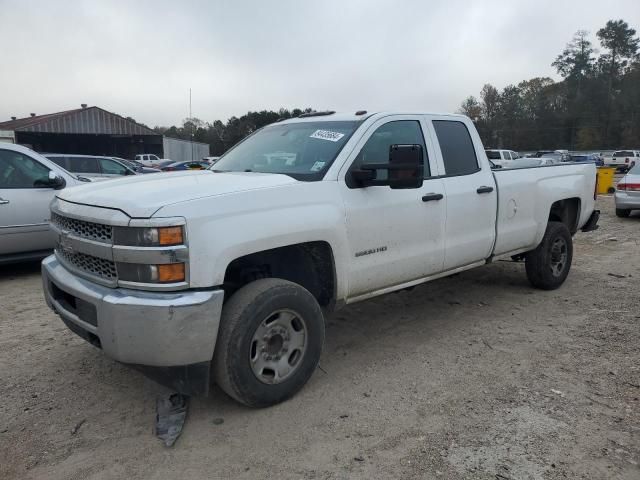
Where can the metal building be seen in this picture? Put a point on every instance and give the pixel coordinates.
(90, 131)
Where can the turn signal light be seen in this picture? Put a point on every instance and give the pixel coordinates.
(171, 272)
(170, 236)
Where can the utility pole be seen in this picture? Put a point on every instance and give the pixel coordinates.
(191, 121)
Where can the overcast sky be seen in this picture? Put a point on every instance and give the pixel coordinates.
(139, 58)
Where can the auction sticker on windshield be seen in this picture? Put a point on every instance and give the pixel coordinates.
(327, 135)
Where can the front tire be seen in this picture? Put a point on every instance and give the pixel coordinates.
(548, 265)
(622, 212)
(269, 342)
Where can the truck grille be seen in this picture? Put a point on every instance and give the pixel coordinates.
(90, 230)
(98, 267)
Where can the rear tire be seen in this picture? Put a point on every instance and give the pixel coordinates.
(548, 265)
(269, 342)
(622, 212)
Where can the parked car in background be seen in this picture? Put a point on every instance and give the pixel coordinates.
(149, 160)
(136, 166)
(627, 195)
(197, 165)
(502, 157)
(623, 160)
(28, 183)
(98, 168)
(588, 158)
(559, 155)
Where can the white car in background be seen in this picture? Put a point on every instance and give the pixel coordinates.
(623, 159)
(502, 157)
(28, 183)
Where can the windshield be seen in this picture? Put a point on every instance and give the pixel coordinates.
(635, 170)
(303, 150)
(623, 154)
(493, 155)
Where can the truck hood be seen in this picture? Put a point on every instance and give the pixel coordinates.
(140, 196)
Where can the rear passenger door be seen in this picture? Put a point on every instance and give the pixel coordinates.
(470, 192)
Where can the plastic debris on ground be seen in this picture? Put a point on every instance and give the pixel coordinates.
(171, 413)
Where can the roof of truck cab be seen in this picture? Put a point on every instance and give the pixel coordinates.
(351, 116)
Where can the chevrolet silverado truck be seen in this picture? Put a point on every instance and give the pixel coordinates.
(225, 275)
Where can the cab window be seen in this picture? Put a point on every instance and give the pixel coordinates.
(376, 150)
(457, 149)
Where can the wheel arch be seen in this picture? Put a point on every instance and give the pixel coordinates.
(309, 264)
(566, 211)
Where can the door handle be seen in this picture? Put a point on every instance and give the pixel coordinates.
(484, 189)
(429, 197)
(3, 201)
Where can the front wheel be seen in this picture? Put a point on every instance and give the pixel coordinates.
(548, 265)
(269, 342)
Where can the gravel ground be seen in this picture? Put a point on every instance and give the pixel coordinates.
(477, 376)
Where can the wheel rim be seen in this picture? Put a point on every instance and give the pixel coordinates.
(559, 255)
(278, 346)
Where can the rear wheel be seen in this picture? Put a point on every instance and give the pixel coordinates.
(622, 212)
(269, 342)
(548, 265)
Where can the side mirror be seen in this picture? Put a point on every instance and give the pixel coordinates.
(55, 181)
(404, 170)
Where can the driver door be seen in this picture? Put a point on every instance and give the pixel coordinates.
(395, 235)
(24, 206)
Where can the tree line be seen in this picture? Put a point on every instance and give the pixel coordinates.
(596, 105)
(222, 136)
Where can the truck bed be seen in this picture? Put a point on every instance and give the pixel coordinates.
(525, 197)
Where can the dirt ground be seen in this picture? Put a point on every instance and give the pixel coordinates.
(476, 376)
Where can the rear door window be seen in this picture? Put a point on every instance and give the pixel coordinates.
(84, 165)
(110, 167)
(457, 149)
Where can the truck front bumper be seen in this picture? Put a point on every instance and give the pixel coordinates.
(170, 336)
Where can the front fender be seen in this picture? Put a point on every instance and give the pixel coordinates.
(224, 228)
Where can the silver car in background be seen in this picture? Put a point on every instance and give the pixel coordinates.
(28, 183)
(627, 196)
(90, 166)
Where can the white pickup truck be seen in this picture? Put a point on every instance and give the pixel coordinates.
(230, 271)
(150, 160)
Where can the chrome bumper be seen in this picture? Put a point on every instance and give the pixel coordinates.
(154, 329)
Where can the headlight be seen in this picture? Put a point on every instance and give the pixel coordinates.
(164, 273)
(148, 236)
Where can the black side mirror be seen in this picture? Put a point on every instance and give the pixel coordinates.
(404, 170)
